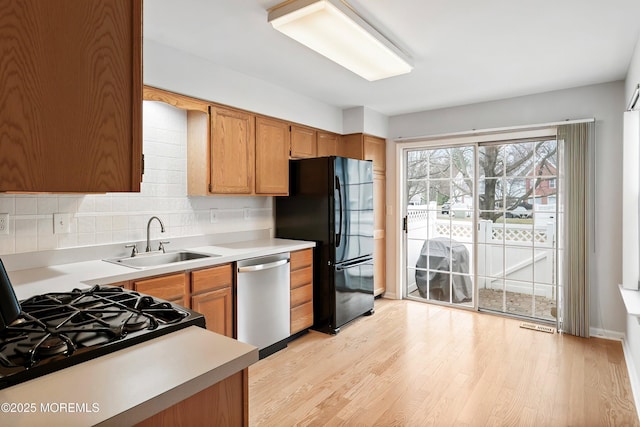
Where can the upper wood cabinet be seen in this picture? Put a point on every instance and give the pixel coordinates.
(375, 149)
(327, 144)
(71, 95)
(303, 142)
(232, 151)
(272, 157)
(365, 147)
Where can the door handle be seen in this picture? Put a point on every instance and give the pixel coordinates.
(339, 233)
(260, 267)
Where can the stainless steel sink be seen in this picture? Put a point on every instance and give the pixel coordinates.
(155, 259)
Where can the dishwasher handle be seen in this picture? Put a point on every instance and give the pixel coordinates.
(260, 267)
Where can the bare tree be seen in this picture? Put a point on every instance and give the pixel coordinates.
(509, 174)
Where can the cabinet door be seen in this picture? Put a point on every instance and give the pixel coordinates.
(212, 296)
(303, 142)
(379, 227)
(217, 308)
(375, 149)
(351, 146)
(172, 288)
(327, 144)
(232, 151)
(272, 156)
(71, 109)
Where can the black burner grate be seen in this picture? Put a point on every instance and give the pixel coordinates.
(57, 330)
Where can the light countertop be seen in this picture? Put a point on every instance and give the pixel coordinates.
(127, 386)
(64, 277)
(132, 384)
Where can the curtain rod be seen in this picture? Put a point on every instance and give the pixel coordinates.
(473, 132)
(634, 98)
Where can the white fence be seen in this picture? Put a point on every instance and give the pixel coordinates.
(516, 257)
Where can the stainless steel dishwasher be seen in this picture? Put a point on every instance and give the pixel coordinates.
(263, 302)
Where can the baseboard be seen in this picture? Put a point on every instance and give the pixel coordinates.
(390, 295)
(633, 375)
(606, 334)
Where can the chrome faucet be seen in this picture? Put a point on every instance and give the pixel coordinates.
(148, 227)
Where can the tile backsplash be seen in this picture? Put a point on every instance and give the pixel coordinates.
(122, 217)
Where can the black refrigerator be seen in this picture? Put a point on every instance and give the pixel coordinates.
(331, 202)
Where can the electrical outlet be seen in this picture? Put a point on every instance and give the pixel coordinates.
(4, 223)
(61, 223)
(213, 215)
(247, 213)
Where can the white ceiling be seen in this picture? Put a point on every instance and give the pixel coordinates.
(464, 51)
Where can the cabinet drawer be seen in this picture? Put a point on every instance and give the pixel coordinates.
(170, 288)
(301, 259)
(301, 317)
(301, 295)
(301, 277)
(211, 278)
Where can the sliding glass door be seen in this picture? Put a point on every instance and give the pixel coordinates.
(481, 226)
(517, 220)
(440, 194)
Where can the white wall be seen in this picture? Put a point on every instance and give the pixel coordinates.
(122, 217)
(365, 120)
(180, 72)
(605, 103)
(632, 330)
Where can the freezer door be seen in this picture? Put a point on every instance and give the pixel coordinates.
(354, 290)
(353, 204)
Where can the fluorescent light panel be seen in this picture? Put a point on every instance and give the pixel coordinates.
(334, 30)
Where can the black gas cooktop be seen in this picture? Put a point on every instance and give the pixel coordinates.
(58, 330)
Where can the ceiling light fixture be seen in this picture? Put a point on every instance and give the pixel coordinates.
(333, 29)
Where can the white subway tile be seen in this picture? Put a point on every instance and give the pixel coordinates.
(7, 245)
(103, 224)
(120, 223)
(47, 242)
(44, 227)
(26, 244)
(68, 203)
(47, 205)
(67, 240)
(87, 204)
(86, 239)
(26, 205)
(26, 227)
(86, 224)
(7, 204)
(103, 203)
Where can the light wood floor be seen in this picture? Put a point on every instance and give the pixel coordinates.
(414, 364)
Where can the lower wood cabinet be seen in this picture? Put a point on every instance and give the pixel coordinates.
(301, 290)
(212, 295)
(208, 291)
(172, 287)
(223, 404)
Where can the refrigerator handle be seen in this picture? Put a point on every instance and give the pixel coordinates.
(339, 233)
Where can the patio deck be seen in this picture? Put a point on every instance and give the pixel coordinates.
(517, 303)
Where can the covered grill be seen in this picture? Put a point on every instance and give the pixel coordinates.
(444, 256)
